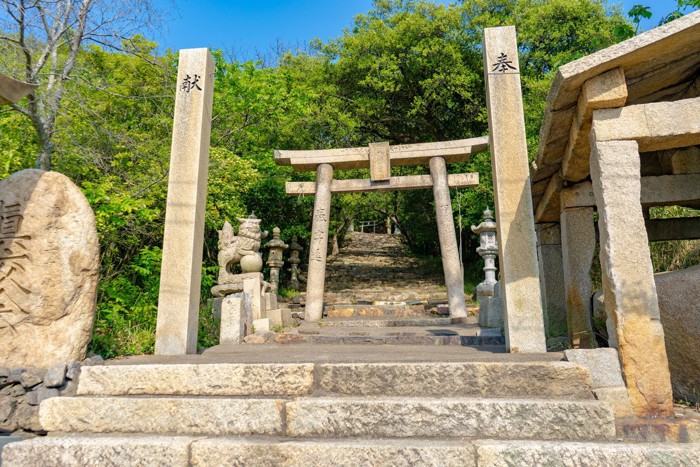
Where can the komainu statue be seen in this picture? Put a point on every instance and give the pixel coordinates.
(242, 248)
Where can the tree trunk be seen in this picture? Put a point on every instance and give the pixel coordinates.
(43, 160)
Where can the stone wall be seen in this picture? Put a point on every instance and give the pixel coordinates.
(23, 389)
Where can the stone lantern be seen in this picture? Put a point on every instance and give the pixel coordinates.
(294, 260)
(274, 258)
(488, 292)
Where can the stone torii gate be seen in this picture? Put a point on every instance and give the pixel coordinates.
(379, 157)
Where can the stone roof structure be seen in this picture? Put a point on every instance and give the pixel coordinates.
(659, 65)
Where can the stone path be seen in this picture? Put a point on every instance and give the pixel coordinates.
(380, 267)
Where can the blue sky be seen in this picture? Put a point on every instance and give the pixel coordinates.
(253, 27)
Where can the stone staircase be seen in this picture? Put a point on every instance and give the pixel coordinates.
(401, 413)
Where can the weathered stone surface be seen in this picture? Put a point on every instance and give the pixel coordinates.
(55, 376)
(27, 417)
(524, 324)
(617, 398)
(261, 325)
(578, 243)
(236, 319)
(183, 237)
(552, 278)
(214, 452)
(402, 417)
(454, 277)
(31, 377)
(50, 266)
(655, 126)
(7, 406)
(162, 415)
(628, 282)
(259, 337)
(37, 396)
(665, 190)
(73, 370)
(163, 451)
(318, 250)
(553, 379)
(680, 316)
(603, 365)
(520, 453)
(220, 379)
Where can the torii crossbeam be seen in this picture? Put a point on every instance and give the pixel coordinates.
(379, 157)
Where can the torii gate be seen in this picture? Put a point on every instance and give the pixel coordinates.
(379, 157)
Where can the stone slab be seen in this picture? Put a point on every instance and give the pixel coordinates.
(218, 379)
(183, 237)
(422, 418)
(162, 415)
(667, 190)
(490, 380)
(516, 453)
(262, 325)
(236, 319)
(162, 451)
(399, 183)
(379, 164)
(603, 365)
(216, 452)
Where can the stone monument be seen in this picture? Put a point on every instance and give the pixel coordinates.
(49, 265)
(274, 259)
(490, 305)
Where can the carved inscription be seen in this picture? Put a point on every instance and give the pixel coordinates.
(189, 84)
(14, 259)
(319, 235)
(503, 64)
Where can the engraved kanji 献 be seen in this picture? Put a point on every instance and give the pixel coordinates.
(188, 84)
(503, 64)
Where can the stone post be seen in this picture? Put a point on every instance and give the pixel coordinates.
(578, 248)
(628, 277)
(274, 259)
(524, 323)
(183, 239)
(448, 240)
(294, 261)
(316, 277)
(551, 279)
(490, 315)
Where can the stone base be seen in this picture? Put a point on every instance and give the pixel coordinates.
(235, 285)
(490, 308)
(236, 319)
(262, 324)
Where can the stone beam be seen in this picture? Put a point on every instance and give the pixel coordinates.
(578, 196)
(670, 190)
(407, 182)
(517, 247)
(183, 238)
(683, 228)
(655, 126)
(549, 207)
(631, 300)
(404, 154)
(604, 91)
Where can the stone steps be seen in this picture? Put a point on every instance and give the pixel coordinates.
(406, 338)
(552, 379)
(333, 417)
(185, 451)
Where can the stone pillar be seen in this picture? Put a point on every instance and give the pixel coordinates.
(183, 239)
(316, 277)
(578, 248)
(551, 279)
(628, 277)
(520, 280)
(448, 240)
